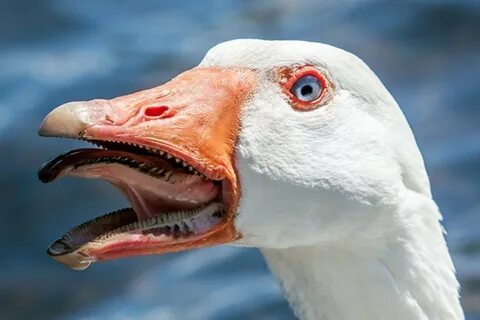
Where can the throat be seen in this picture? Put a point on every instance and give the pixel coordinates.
(332, 284)
(409, 276)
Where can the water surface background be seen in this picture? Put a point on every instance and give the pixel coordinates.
(426, 52)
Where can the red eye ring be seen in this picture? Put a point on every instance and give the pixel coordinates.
(290, 76)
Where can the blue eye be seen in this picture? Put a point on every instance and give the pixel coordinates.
(307, 88)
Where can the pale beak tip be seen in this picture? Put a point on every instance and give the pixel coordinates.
(63, 121)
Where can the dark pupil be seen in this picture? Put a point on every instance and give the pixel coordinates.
(306, 90)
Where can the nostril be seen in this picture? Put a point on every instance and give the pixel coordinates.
(155, 111)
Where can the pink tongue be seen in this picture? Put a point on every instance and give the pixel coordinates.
(150, 196)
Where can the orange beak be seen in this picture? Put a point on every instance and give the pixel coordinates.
(170, 150)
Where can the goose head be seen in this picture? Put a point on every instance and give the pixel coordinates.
(270, 144)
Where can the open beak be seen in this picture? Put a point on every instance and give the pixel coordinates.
(170, 150)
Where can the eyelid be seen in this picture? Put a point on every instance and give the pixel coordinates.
(306, 71)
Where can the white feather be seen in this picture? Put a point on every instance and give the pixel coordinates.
(338, 198)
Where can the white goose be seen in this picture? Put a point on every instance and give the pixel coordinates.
(292, 147)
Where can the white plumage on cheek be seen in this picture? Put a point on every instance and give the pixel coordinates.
(329, 161)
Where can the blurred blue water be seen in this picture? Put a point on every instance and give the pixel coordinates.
(426, 52)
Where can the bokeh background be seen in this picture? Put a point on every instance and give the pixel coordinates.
(426, 52)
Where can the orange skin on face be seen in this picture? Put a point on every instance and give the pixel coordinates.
(194, 117)
(201, 122)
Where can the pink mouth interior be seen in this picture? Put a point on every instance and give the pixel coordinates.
(148, 195)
